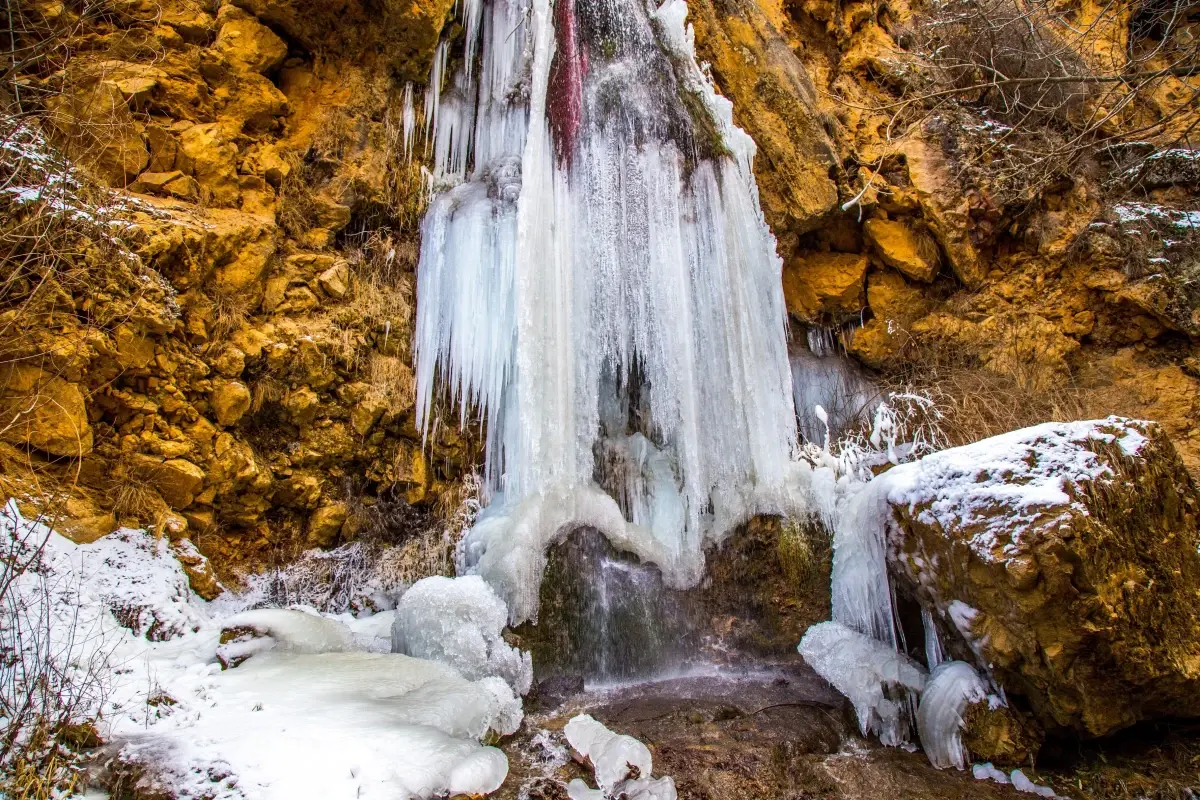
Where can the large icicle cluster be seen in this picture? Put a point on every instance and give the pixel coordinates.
(597, 282)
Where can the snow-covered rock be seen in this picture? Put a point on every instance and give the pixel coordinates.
(1062, 558)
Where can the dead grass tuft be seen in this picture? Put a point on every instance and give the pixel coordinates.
(975, 402)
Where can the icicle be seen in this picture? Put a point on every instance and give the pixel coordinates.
(408, 120)
(933, 643)
(878, 681)
(433, 92)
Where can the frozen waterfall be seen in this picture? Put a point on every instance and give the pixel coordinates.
(598, 284)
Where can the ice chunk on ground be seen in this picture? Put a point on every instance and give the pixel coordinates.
(459, 621)
(1022, 783)
(647, 789)
(611, 754)
(578, 790)
(878, 681)
(952, 686)
(986, 772)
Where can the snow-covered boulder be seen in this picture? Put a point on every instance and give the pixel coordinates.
(1064, 558)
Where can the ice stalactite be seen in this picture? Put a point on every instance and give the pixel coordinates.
(597, 282)
(952, 686)
(408, 120)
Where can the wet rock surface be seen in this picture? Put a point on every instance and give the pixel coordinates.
(775, 732)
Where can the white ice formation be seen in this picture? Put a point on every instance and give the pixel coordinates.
(621, 764)
(878, 681)
(458, 621)
(597, 282)
(952, 686)
(310, 719)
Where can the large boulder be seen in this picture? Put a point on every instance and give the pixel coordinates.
(1063, 558)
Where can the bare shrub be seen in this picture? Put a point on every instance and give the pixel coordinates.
(53, 670)
(1037, 91)
(396, 547)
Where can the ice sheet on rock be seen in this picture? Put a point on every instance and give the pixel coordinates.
(952, 686)
(877, 680)
(286, 630)
(459, 621)
(611, 754)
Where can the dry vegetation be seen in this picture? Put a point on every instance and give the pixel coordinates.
(1037, 91)
(974, 403)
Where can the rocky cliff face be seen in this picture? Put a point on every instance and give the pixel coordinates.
(925, 225)
(242, 373)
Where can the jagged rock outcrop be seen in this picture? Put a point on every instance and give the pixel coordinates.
(1062, 558)
(240, 372)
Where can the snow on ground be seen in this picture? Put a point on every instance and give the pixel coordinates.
(311, 713)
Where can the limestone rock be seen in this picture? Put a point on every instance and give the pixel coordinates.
(1064, 558)
(199, 572)
(167, 184)
(875, 343)
(756, 67)
(85, 521)
(945, 209)
(230, 362)
(248, 44)
(178, 480)
(1005, 737)
(819, 285)
(325, 524)
(44, 411)
(119, 154)
(303, 405)
(913, 253)
(893, 298)
(367, 412)
(230, 400)
(134, 349)
(208, 156)
(334, 281)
